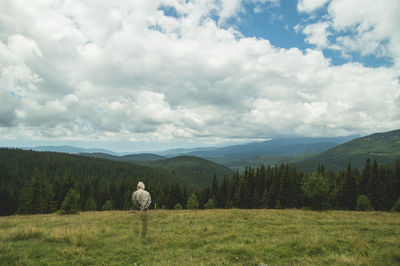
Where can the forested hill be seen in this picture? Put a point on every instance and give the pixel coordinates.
(18, 166)
(385, 147)
(196, 167)
(102, 179)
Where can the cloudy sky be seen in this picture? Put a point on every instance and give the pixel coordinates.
(133, 75)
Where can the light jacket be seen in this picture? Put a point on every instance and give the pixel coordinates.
(141, 199)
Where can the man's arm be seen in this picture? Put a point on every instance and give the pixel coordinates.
(148, 202)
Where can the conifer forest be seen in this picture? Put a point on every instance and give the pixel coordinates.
(37, 182)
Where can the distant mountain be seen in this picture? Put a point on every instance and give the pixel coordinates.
(69, 149)
(126, 158)
(274, 147)
(275, 151)
(142, 157)
(385, 147)
(179, 152)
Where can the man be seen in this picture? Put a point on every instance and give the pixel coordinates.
(141, 201)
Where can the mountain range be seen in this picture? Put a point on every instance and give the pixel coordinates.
(306, 153)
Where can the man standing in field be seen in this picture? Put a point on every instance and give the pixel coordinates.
(141, 201)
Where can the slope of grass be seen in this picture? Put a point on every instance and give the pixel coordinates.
(273, 237)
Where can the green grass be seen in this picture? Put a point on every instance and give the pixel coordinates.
(249, 237)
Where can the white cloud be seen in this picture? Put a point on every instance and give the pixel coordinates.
(309, 6)
(369, 28)
(317, 34)
(117, 70)
(373, 26)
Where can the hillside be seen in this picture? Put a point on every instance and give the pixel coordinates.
(198, 168)
(385, 147)
(19, 165)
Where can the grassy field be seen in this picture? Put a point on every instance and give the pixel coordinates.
(244, 237)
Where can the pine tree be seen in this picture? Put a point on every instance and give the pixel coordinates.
(273, 191)
(70, 205)
(25, 200)
(128, 200)
(204, 195)
(39, 194)
(58, 192)
(264, 199)
(348, 193)
(286, 193)
(374, 190)
(214, 187)
(192, 203)
(90, 204)
(365, 177)
(223, 193)
(243, 195)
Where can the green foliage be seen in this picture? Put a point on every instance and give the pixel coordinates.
(364, 204)
(209, 204)
(375, 188)
(192, 203)
(316, 189)
(36, 196)
(90, 204)
(348, 192)
(107, 206)
(396, 207)
(178, 206)
(70, 205)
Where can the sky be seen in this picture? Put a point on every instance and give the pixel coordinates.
(150, 75)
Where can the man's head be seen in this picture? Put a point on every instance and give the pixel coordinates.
(140, 185)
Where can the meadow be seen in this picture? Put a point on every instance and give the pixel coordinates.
(203, 237)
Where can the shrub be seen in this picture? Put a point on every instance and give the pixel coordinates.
(178, 206)
(396, 207)
(209, 204)
(70, 205)
(107, 206)
(363, 203)
(192, 203)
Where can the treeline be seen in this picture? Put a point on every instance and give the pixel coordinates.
(373, 188)
(76, 183)
(70, 195)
